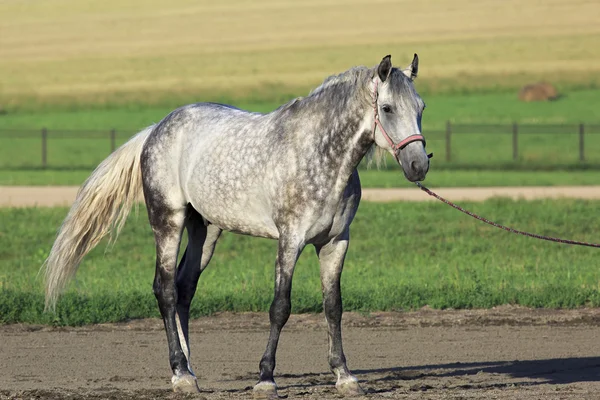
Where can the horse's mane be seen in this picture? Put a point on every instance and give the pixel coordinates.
(356, 76)
(353, 77)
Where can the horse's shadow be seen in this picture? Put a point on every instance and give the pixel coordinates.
(555, 371)
(551, 371)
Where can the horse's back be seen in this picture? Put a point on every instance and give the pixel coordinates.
(202, 131)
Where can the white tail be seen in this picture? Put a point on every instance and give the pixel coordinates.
(101, 207)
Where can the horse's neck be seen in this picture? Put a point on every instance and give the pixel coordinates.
(343, 136)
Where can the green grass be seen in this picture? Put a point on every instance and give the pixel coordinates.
(401, 257)
(80, 140)
(130, 118)
(578, 106)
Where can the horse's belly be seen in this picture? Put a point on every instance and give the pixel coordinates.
(230, 196)
(247, 219)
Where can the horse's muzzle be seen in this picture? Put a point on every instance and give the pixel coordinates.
(414, 161)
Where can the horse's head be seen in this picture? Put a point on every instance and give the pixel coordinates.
(397, 112)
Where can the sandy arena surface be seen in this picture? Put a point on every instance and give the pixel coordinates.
(52, 196)
(503, 353)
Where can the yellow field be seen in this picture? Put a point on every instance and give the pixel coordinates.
(112, 50)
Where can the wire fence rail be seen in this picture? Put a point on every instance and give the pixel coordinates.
(458, 145)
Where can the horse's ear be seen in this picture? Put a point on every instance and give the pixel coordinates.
(385, 67)
(413, 68)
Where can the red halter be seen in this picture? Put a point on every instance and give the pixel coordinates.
(404, 142)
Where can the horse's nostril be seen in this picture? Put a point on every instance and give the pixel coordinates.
(413, 166)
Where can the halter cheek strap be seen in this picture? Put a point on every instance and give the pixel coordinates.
(377, 123)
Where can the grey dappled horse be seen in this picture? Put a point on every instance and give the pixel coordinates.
(288, 175)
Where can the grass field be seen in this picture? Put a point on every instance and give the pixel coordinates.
(577, 106)
(548, 148)
(77, 143)
(478, 160)
(101, 53)
(447, 260)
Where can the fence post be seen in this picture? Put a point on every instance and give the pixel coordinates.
(581, 143)
(515, 141)
(448, 135)
(44, 148)
(113, 139)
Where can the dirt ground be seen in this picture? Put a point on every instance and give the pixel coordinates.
(52, 196)
(502, 353)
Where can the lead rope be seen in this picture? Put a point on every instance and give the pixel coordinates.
(506, 228)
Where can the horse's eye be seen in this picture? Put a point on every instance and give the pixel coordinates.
(386, 108)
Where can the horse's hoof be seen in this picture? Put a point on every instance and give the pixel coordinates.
(265, 391)
(185, 384)
(349, 388)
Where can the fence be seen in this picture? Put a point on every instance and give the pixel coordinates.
(569, 135)
(458, 145)
(58, 149)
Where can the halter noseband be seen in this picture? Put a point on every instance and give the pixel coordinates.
(403, 143)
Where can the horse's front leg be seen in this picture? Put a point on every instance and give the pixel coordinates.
(331, 258)
(287, 255)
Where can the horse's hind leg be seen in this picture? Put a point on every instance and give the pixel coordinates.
(331, 258)
(200, 248)
(167, 220)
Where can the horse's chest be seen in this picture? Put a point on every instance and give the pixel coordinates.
(330, 220)
(326, 227)
(320, 211)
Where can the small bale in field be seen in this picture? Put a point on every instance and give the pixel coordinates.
(541, 91)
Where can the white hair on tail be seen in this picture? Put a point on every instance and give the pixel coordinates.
(101, 207)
